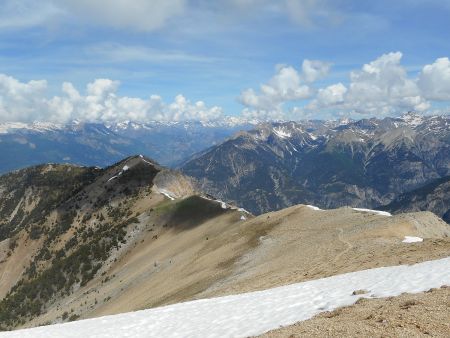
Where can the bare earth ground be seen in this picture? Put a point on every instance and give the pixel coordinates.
(409, 315)
(225, 255)
(301, 244)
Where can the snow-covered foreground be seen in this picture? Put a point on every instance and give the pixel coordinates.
(255, 312)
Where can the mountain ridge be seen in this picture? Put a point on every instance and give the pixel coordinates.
(364, 163)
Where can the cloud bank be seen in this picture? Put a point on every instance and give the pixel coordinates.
(286, 85)
(27, 102)
(381, 87)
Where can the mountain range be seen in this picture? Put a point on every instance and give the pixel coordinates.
(97, 144)
(366, 163)
(263, 167)
(82, 242)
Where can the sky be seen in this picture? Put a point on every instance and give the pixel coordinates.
(172, 60)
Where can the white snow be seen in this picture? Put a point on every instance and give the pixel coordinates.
(166, 193)
(143, 159)
(243, 210)
(10, 127)
(280, 132)
(115, 176)
(254, 313)
(412, 239)
(125, 168)
(412, 119)
(313, 207)
(222, 203)
(378, 212)
(243, 218)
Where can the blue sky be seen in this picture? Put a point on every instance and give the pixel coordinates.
(221, 53)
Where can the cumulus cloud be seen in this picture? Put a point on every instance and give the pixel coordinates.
(26, 102)
(379, 87)
(331, 95)
(434, 80)
(314, 70)
(286, 85)
(382, 86)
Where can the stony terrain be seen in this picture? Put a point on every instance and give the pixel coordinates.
(409, 315)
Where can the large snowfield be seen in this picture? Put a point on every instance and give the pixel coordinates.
(255, 312)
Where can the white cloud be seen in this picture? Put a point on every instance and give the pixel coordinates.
(382, 86)
(26, 102)
(331, 95)
(286, 85)
(313, 70)
(379, 87)
(18, 100)
(434, 80)
(141, 15)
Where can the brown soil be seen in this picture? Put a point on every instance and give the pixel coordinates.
(409, 315)
(224, 255)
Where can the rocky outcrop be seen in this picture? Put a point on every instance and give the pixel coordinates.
(434, 197)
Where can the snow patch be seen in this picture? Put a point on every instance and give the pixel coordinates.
(412, 239)
(243, 210)
(243, 218)
(378, 212)
(222, 203)
(314, 207)
(143, 159)
(254, 313)
(281, 133)
(166, 193)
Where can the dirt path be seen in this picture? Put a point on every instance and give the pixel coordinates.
(348, 245)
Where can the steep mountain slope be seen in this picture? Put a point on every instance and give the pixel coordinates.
(363, 163)
(23, 145)
(434, 197)
(136, 235)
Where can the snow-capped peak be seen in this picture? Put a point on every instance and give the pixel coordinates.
(412, 119)
(282, 132)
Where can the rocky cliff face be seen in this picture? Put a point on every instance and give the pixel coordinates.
(363, 163)
(434, 197)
